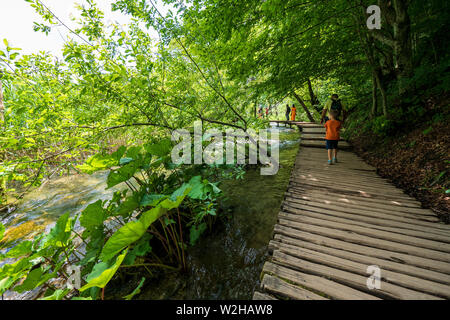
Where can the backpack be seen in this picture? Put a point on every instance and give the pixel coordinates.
(336, 106)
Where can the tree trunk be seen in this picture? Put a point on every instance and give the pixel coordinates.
(402, 48)
(310, 117)
(373, 113)
(313, 97)
(396, 15)
(380, 83)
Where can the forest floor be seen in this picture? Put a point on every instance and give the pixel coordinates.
(417, 161)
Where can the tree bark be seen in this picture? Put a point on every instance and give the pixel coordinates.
(313, 97)
(308, 114)
(373, 113)
(396, 15)
(381, 85)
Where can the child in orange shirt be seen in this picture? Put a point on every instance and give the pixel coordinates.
(332, 136)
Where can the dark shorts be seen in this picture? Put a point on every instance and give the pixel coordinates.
(331, 144)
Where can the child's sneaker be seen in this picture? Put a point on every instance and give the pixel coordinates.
(335, 160)
(330, 162)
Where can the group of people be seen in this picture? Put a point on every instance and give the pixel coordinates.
(262, 113)
(332, 112)
(290, 112)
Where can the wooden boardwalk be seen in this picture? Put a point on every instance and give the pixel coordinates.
(336, 220)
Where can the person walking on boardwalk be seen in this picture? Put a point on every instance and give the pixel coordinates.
(260, 112)
(332, 136)
(334, 103)
(288, 112)
(293, 112)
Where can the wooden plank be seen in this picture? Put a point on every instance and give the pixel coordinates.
(439, 228)
(350, 279)
(262, 296)
(282, 288)
(426, 263)
(350, 236)
(320, 144)
(350, 221)
(421, 214)
(363, 258)
(332, 205)
(325, 177)
(350, 187)
(379, 203)
(318, 284)
(355, 194)
(358, 267)
(373, 220)
(315, 137)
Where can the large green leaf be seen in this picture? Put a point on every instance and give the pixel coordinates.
(19, 250)
(103, 273)
(34, 279)
(60, 233)
(123, 174)
(130, 233)
(152, 199)
(126, 235)
(197, 188)
(150, 216)
(101, 162)
(160, 149)
(93, 216)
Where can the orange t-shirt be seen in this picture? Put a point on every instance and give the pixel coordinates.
(333, 127)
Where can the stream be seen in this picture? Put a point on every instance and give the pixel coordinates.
(225, 264)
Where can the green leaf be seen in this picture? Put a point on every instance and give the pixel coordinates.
(128, 205)
(160, 149)
(126, 235)
(196, 232)
(152, 199)
(59, 294)
(2, 230)
(93, 216)
(123, 174)
(135, 291)
(34, 279)
(101, 275)
(198, 188)
(101, 162)
(142, 247)
(60, 233)
(151, 216)
(125, 161)
(19, 250)
(181, 191)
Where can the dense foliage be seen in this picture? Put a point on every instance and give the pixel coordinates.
(117, 94)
